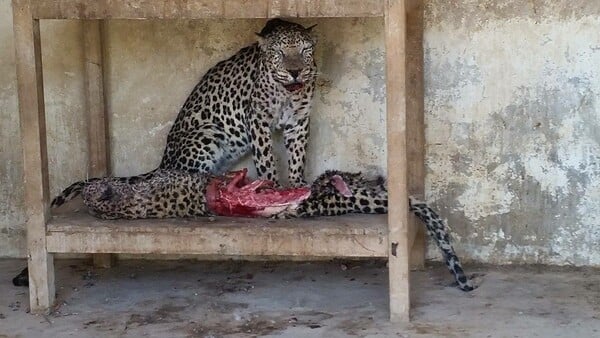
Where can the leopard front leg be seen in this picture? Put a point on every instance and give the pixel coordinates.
(296, 140)
(262, 147)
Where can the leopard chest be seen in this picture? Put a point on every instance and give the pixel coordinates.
(287, 111)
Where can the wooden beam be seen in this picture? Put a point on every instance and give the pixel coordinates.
(198, 9)
(399, 253)
(415, 125)
(35, 159)
(324, 8)
(98, 160)
(343, 236)
(94, 84)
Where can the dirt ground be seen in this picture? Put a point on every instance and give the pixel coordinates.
(319, 299)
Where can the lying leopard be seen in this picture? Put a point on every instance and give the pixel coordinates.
(175, 193)
(337, 193)
(168, 193)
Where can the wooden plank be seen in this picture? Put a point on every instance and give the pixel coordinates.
(35, 160)
(324, 8)
(98, 154)
(104, 260)
(197, 9)
(395, 42)
(283, 8)
(94, 85)
(344, 236)
(415, 125)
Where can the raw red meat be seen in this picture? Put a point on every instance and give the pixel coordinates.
(235, 195)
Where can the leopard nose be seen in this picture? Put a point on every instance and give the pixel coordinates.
(294, 73)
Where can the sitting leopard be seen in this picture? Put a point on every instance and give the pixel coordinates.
(236, 106)
(168, 193)
(238, 103)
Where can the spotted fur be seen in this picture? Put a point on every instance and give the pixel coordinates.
(237, 105)
(162, 194)
(175, 193)
(367, 196)
(76, 188)
(370, 196)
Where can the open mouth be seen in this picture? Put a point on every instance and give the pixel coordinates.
(292, 87)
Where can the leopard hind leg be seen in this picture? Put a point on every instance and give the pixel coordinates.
(437, 229)
(209, 149)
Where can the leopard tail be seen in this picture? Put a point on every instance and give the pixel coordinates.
(70, 192)
(439, 232)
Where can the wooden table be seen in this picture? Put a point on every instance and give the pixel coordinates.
(396, 236)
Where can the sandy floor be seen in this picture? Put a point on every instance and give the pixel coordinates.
(325, 299)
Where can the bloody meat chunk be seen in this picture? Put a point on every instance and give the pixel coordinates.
(235, 195)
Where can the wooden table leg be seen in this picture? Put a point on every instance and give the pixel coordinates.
(98, 144)
(415, 125)
(35, 159)
(103, 261)
(399, 253)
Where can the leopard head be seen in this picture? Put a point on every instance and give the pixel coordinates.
(338, 182)
(340, 192)
(288, 53)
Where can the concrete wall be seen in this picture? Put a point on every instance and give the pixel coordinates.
(511, 114)
(63, 82)
(513, 128)
(11, 192)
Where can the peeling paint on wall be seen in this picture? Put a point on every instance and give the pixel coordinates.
(12, 215)
(512, 128)
(62, 58)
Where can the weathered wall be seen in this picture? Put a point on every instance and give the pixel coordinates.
(513, 134)
(63, 82)
(11, 193)
(511, 114)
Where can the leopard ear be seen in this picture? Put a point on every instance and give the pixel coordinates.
(262, 39)
(341, 186)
